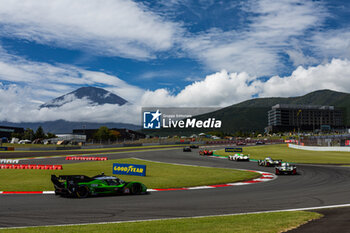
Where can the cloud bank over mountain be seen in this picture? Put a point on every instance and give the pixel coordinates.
(218, 89)
(165, 53)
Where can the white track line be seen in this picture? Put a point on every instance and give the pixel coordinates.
(194, 217)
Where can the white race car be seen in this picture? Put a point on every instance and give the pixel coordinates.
(269, 162)
(238, 157)
(286, 168)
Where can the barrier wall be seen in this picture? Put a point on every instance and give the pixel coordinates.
(320, 148)
(7, 148)
(86, 158)
(31, 166)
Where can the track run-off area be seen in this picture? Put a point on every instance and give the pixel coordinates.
(315, 186)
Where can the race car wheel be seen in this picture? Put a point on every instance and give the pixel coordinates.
(294, 171)
(126, 190)
(82, 191)
(268, 164)
(277, 172)
(136, 188)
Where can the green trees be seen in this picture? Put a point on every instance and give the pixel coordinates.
(17, 135)
(29, 134)
(104, 134)
(39, 133)
(114, 134)
(51, 135)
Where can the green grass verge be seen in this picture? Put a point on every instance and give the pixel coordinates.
(158, 175)
(262, 223)
(285, 153)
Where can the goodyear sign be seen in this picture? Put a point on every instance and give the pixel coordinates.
(129, 169)
(234, 149)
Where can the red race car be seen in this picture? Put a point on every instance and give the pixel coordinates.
(241, 143)
(205, 152)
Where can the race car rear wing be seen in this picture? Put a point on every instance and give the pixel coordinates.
(75, 178)
(56, 182)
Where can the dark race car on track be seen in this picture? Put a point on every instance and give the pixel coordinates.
(239, 157)
(286, 168)
(186, 149)
(82, 186)
(205, 152)
(269, 162)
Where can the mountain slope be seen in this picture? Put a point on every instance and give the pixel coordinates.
(320, 97)
(95, 95)
(251, 115)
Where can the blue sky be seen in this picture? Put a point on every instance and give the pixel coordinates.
(168, 52)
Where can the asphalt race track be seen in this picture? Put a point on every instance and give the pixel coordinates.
(315, 185)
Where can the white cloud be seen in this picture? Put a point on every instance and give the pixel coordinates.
(116, 27)
(271, 29)
(299, 58)
(158, 74)
(193, 79)
(332, 43)
(257, 48)
(334, 75)
(218, 89)
(32, 83)
(128, 29)
(222, 88)
(49, 81)
(284, 18)
(19, 109)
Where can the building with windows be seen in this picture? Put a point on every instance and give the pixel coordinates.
(289, 117)
(6, 131)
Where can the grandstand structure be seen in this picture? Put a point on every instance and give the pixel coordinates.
(290, 117)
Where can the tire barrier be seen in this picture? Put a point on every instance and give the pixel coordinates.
(31, 166)
(86, 158)
(2, 161)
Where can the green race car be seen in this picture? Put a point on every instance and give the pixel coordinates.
(83, 186)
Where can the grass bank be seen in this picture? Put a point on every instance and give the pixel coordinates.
(249, 223)
(158, 175)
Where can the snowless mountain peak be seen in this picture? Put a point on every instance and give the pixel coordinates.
(95, 95)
